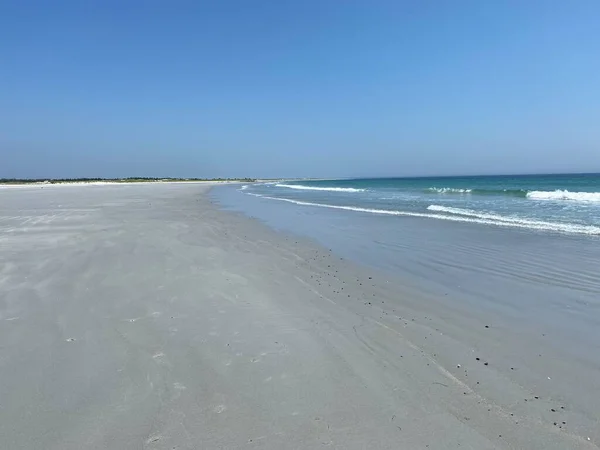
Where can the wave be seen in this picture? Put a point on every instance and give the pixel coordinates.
(460, 215)
(449, 190)
(478, 214)
(505, 219)
(318, 188)
(564, 195)
(533, 195)
(505, 192)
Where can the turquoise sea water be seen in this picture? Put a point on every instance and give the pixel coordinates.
(522, 250)
(568, 203)
(520, 253)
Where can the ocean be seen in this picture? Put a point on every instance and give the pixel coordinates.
(551, 203)
(523, 250)
(517, 254)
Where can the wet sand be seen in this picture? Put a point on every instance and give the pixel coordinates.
(144, 317)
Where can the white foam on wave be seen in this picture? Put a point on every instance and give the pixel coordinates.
(564, 195)
(478, 214)
(449, 190)
(461, 215)
(518, 221)
(244, 187)
(488, 216)
(318, 188)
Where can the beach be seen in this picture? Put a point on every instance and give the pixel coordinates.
(145, 316)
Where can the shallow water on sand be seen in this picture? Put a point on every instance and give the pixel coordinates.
(529, 278)
(568, 203)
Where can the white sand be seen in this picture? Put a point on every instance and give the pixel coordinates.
(140, 316)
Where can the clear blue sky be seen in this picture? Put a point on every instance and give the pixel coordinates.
(298, 88)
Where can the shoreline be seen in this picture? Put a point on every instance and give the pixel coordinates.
(151, 317)
(117, 183)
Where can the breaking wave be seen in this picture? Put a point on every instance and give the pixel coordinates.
(449, 190)
(460, 215)
(564, 195)
(318, 188)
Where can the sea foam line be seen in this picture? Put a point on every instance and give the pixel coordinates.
(564, 195)
(318, 188)
(499, 218)
(515, 223)
(449, 190)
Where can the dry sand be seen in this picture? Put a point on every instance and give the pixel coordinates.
(142, 317)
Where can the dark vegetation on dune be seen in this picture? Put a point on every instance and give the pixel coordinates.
(113, 180)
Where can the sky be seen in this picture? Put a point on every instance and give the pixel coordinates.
(311, 88)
